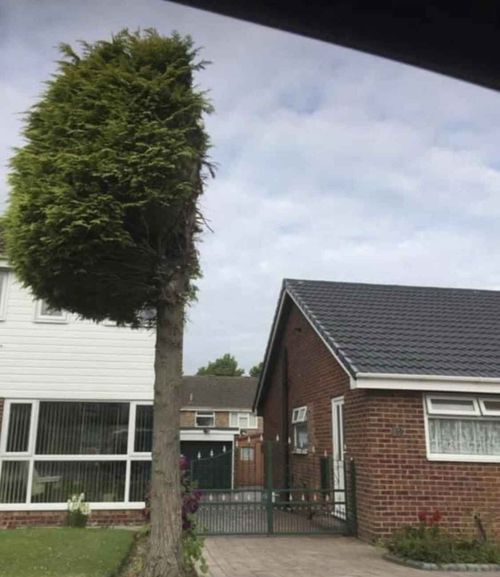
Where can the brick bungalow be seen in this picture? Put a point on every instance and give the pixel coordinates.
(405, 382)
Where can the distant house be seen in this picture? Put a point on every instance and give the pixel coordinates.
(217, 422)
(76, 413)
(402, 381)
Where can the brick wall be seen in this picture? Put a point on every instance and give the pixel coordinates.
(15, 519)
(384, 434)
(222, 419)
(188, 418)
(314, 378)
(395, 479)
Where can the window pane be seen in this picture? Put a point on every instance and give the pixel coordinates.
(301, 436)
(253, 422)
(143, 442)
(205, 419)
(56, 481)
(13, 481)
(48, 311)
(243, 421)
(246, 454)
(233, 419)
(463, 405)
(82, 428)
(464, 437)
(140, 476)
(19, 428)
(491, 406)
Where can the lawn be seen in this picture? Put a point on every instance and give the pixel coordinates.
(63, 552)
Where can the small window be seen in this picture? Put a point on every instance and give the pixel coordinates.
(247, 454)
(299, 415)
(490, 407)
(300, 430)
(243, 420)
(205, 419)
(47, 314)
(452, 406)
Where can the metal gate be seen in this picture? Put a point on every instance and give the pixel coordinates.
(276, 492)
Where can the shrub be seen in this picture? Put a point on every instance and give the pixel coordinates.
(78, 511)
(430, 543)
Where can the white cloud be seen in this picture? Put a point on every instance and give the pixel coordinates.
(333, 164)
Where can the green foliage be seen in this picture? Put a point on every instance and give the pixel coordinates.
(225, 366)
(192, 551)
(256, 370)
(103, 193)
(434, 545)
(63, 552)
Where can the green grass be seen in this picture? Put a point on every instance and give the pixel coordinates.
(63, 552)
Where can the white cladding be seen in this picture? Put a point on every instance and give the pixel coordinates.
(77, 359)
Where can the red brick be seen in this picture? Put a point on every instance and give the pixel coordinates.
(394, 478)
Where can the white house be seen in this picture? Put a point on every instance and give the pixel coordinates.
(76, 411)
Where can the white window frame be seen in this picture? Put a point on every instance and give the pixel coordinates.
(4, 287)
(489, 412)
(235, 418)
(204, 414)
(30, 457)
(41, 318)
(480, 413)
(433, 411)
(299, 417)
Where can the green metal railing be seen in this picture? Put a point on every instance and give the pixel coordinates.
(269, 510)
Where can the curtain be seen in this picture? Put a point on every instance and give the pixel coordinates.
(464, 436)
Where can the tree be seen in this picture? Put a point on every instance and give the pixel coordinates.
(225, 366)
(103, 216)
(256, 369)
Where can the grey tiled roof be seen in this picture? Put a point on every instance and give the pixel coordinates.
(212, 392)
(405, 329)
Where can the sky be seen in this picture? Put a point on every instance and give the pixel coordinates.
(332, 164)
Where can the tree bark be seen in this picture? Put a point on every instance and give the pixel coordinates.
(165, 555)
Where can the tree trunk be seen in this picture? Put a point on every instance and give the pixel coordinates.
(165, 556)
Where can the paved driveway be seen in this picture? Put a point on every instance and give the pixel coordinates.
(305, 557)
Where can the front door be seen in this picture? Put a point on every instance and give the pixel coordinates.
(338, 455)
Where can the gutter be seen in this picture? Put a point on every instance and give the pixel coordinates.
(411, 382)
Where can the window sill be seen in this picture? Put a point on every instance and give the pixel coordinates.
(51, 321)
(112, 506)
(464, 458)
(299, 451)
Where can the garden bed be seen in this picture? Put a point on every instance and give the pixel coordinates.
(429, 546)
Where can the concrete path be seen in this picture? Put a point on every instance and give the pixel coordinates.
(306, 557)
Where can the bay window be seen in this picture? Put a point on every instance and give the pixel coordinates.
(50, 450)
(463, 428)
